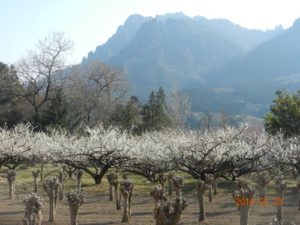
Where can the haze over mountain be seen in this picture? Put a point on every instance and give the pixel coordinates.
(222, 66)
(276, 60)
(175, 49)
(251, 81)
(119, 40)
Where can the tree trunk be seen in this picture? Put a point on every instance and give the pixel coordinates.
(97, 179)
(127, 190)
(79, 175)
(120, 199)
(170, 184)
(126, 213)
(298, 195)
(51, 186)
(200, 192)
(33, 213)
(215, 186)
(42, 172)
(279, 206)
(279, 213)
(280, 188)
(11, 177)
(201, 208)
(51, 210)
(118, 204)
(35, 184)
(244, 214)
(298, 170)
(177, 185)
(210, 193)
(75, 200)
(74, 217)
(161, 180)
(61, 181)
(111, 198)
(129, 203)
(11, 190)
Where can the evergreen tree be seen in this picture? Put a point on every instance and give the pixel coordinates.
(128, 117)
(11, 107)
(56, 114)
(284, 115)
(155, 115)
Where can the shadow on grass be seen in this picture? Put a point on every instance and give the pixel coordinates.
(99, 223)
(142, 213)
(220, 213)
(11, 213)
(228, 205)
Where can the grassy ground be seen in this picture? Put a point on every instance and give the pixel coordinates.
(98, 210)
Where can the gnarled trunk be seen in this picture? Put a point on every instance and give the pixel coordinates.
(170, 184)
(245, 194)
(127, 190)
(162, 209)
(177, 185)
(210, 188)
(75, 200)
(35, 175)
(11, 177)
(118, 203)
(61, 181)
(280, 188)
(201, 187)
(79, 174)
(33, 211)
(111, 178)
(51, 187)
(162, 180)
(244, 215)
(262, 181)
(298, 194)
(215, 185)
(52, 210)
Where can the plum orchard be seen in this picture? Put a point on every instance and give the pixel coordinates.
(227, 153)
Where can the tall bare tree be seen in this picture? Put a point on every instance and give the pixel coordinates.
(94, 89)
(41, 71)
(179, 107)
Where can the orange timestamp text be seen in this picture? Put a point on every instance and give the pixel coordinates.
(276, 201)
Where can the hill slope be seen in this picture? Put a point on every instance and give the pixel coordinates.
(175, 50)
(276, 61)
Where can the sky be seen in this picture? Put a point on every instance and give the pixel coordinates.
(89, 23)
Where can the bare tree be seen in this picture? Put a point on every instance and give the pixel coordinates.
(93, 90)
(41, 71)
(75, 200)
(179, 107)
(33, 210)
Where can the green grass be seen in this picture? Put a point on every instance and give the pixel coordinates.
(142, 186)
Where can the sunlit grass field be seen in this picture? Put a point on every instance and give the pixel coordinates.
(98, 210)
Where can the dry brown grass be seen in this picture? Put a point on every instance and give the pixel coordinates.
(98, 210)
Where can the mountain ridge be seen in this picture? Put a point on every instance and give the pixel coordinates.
(176, 50)
(203, 56)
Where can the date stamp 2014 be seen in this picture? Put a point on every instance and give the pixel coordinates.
(276, 201)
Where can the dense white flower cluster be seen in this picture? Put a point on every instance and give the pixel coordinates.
(227, 152)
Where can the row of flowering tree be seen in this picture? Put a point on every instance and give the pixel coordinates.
(227, 153)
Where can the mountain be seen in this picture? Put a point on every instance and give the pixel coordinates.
(275, 61)
(119, 40)
(248, 85)
(176, 50)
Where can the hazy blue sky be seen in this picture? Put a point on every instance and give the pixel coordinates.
(91, 22)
